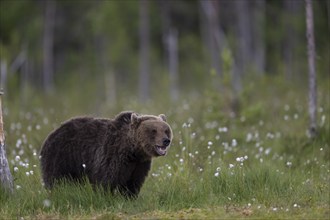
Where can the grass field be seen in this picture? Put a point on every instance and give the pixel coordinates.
(256, 164)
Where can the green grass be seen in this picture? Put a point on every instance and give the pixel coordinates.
(258, 164)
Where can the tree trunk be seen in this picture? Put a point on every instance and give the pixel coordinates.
(108, 81)
(6, 178)
(3, 75)
(328, 10)
(173, 63)
(244, 52)
(259, 36)
(144, 90)
(213, 33)
(48, 43)
(311, 68)
(291, 12)
(170, 42)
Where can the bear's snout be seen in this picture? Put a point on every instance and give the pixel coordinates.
(166, 142)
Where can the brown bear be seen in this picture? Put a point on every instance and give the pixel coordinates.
(113, 153)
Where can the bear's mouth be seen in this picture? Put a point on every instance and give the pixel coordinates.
(161, 150)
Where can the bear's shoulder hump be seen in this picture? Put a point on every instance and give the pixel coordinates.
(124, 117)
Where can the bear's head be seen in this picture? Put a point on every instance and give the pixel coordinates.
(152, 134)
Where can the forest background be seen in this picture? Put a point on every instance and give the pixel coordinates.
(231, 76)
(148, 50)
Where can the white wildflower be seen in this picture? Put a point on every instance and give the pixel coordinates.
(17, 158)
(47, 203)
(234, 143)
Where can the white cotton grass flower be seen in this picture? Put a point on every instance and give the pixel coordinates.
(216, 174)
(267, 151)
(231, 166)
(234, 143)
(84, 165)
(15, 169)
(155, 174)
(223, 130)
(18, 143)
(249, 137)
(47, 203)
(242, 159)
(296, 205)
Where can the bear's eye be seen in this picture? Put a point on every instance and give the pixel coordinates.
(154, 131)
(167, 132)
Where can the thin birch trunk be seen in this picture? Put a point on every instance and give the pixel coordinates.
(6, 178)
(3, 75)
(173, 63)
(144, 84)
(48, 42)
(312, 103)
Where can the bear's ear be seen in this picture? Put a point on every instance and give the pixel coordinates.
(135, 119)
(163, 117)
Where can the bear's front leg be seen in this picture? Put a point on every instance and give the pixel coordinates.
(134, 184)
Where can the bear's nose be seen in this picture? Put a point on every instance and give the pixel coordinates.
(166, 142)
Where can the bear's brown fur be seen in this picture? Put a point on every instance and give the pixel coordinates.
(113, 153)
